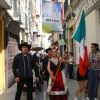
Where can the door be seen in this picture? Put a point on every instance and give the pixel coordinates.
(12, 51)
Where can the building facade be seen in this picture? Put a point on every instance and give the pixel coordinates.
(92, 17)
(16, 24)
(4, 5)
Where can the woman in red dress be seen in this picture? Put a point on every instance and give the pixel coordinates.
(59, 89)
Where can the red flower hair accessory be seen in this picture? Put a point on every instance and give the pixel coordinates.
(55, 48)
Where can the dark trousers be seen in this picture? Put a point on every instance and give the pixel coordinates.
(93, 83)
(20, 84)
(70, 70)
(38, 85)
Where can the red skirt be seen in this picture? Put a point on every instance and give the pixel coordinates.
(58, 97)
(58, 87)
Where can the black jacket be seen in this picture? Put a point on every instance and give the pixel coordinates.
(36, 59)
(19, 66)
(45, 64)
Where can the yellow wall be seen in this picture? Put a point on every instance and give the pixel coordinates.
(2, 66)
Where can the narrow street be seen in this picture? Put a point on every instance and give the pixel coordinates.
(35, 32)
(10, 93)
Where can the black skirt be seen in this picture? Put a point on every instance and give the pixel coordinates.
(80, 78)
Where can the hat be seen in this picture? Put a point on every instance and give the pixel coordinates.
(36, 47)
(48, 49)
(24, 44)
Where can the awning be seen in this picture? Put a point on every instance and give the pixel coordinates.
(13, 27)
(5, 4)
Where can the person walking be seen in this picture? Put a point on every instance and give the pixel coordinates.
(45, 73)
(70, 66)
(82, 81)
(23, 65)
(94, 72)
(36, 57)
(66, 65)
(59, 89)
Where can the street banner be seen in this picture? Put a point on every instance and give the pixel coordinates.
(51, 17)
(80, 36)
(62, 11)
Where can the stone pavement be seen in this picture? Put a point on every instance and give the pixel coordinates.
(9, 94)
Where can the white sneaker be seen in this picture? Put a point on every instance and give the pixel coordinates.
(75, 98)
(95, 99)
(87, 98)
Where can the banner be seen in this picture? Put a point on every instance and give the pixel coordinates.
(51, 17)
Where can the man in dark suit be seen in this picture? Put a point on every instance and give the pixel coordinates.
(45, 64)
(23, 65)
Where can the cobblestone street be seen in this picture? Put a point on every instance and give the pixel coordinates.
(10, 93)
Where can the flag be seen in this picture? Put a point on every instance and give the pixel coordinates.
(80, 36)
(62, 11)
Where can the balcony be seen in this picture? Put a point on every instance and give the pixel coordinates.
(74, 3)
(69, 8)
(5, 4)
(17, 19)
(16, 11)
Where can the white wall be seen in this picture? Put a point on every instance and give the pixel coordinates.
(93, 28)
(97, 26)
(90, 29)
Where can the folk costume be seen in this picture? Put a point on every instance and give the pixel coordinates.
(59, 90)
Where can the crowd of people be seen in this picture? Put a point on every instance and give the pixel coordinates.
(54, 69)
